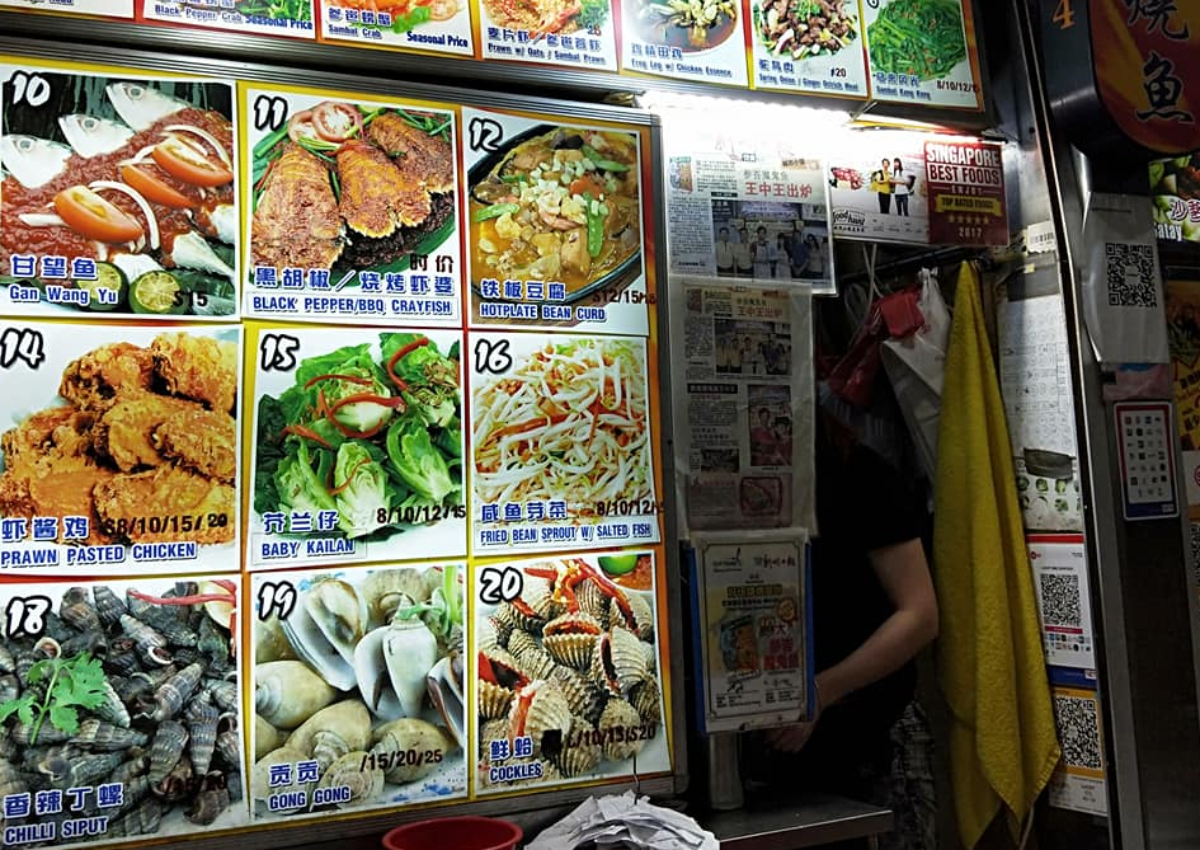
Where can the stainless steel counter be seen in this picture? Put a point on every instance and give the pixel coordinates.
(813, 822)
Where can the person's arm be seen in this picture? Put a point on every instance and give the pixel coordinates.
(904, 574)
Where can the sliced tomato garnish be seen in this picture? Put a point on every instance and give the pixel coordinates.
(153, 188)
(89, 214)
(337, 122)
(186, 163)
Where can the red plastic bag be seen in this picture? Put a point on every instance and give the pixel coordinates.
(893, 317)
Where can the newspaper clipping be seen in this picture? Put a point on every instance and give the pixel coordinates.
(745, 355)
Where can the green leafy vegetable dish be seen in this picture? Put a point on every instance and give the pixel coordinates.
(379, 440)
(919, 37)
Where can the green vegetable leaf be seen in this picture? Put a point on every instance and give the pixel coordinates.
(21, 706)
(416, 460)
(363, 492)
(64, 719)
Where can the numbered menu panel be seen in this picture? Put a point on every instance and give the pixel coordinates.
(577, 35)
(567, 683)
(119, 447)
(562, 450)
(118, 195)
(358, 446)
(353, 209)
(106, 8)
(556, 225)
(358, 689)
(427, 26)
(922, 51)
(291, 18)
(120, 711)
(808, 46)
(701, 40)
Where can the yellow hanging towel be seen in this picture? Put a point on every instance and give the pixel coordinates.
(1003, 745)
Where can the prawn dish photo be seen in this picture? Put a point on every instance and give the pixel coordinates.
(118, 195)
(350, 187)
(139, 448)
(558, 204)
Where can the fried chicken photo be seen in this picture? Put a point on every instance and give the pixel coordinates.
(146, 432)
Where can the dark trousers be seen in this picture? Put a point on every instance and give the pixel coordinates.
(902, 205)
(885, 203)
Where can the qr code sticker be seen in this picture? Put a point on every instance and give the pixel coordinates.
(1132, 281)
(1078, 725)
(1060, 600)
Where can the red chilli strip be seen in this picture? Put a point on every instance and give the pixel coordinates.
(308, 434)
(350, 379)
(395, 402)
(403, 352)
(341, 488)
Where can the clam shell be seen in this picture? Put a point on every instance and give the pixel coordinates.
(573, 650)
(353, 770)
(494, 701)
(619, 714)
(618, 662)
(536, 663)
(504, 622)
(287, 693)
(586, 700)
(504, 667)
(347, 720)
(538, 594)
(521, 641)
(646, 700)
(639, 619)
(407, 740)
(581, 754)
(270, 643)
(486, 636)
(492, 730)
(540, 711)
(593, 601)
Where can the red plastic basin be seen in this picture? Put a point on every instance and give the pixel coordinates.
(462, 833)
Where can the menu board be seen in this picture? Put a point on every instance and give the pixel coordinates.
(574, 35)
(428, 26)
(290, 18)
(922, 52)
(358, 446)
(106, 8)
(808, 46)
(122, 711)
(557, 236)
(353, 212)
(120, 448)
(566, 686)
(702, 41)
(747, 208)
(878, 188)
(561, 443)
(119, 194)
(1175, 185)
(359, 689)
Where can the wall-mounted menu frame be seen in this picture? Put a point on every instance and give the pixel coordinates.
(353, 820)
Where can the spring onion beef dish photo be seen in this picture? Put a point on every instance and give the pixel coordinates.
(561, 204)
(804, 28)
(136, 178)
(569, 422)
(345, 187)
(375, 437)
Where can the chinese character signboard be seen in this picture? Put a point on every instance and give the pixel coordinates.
(966, 193)
(575, 35)
(1121, 73)
(427, 26)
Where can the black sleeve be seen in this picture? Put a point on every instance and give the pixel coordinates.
(864, 498)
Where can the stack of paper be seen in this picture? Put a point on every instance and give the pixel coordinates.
(625, 821)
